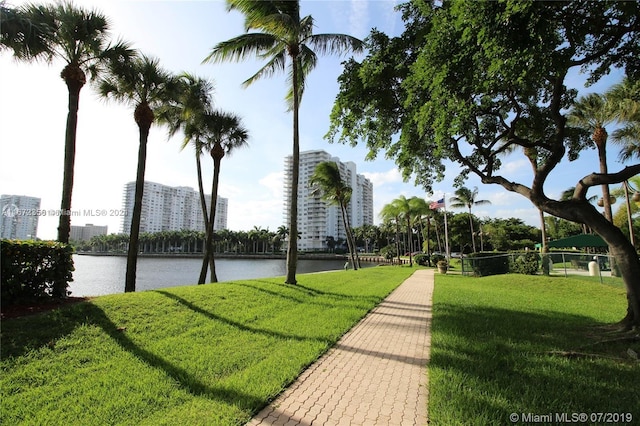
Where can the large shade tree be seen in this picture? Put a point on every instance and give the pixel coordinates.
(284, 39)
(78, 37)
(140, 82)
(327, 181)
(468, 81)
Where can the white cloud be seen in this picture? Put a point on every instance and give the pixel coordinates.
(380, 179)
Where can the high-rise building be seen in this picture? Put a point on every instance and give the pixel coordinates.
(20, 214)
(318, 220)
(166, 208)
(86, 232)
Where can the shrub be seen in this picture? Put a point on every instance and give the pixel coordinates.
(421, 259)
(487, 263)
(33, 270)
(525, 263)
(437, 257)
(389, 252)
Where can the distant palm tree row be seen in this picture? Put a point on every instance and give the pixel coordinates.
(81, 39)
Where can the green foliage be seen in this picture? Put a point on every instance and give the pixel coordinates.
(192, 355)
(486, 263)
(33, 270)
(421, 259)
(389, 252)
(526, 263)
(497, 344)
(437, 257)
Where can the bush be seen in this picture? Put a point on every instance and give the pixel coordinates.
(389, 252)
(437, 257)
(525, 263)
(485, 264)
(421, 259)
(34, 270)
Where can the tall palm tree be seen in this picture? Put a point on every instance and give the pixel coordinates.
(282, 37)
(194, 101)
(140, 82)
(465, 197)
(80, 38)
(326, 180)
(224, 133)
(392, 213)
(593, 113)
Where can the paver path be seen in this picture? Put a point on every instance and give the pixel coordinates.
(376, 373)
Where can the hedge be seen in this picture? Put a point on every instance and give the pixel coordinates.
(34, 270)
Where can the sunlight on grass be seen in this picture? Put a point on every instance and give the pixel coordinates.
(211, 354)
(493, 343)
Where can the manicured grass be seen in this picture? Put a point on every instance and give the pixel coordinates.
(211, 354)
(500, 345)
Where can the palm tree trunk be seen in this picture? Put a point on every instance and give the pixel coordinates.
(473, 237)
(64, 223)
(292, 247)
(132, 254)
(208, 256)
(350, 245)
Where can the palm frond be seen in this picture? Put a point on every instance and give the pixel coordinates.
(325, 44)
(241, 47)
(276, 64)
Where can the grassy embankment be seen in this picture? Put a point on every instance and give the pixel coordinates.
(209, 354)
(521, 344)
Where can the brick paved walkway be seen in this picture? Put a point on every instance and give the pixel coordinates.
(375, 375)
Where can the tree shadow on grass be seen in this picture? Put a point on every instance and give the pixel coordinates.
(239, 325)
(487, 363)
(64, 321)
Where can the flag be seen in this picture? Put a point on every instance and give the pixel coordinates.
(437, 204)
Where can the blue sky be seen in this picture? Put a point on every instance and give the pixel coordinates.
(33, 107)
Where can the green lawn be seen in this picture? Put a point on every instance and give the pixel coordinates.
(211, 354)
(497, 345)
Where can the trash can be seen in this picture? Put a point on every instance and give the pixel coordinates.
(594, 269)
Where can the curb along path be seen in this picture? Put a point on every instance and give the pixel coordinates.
(375, 375)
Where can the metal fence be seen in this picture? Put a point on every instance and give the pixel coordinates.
(559, 263)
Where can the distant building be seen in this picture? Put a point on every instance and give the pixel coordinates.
(318, 220)
(20, 214)
(166, 208)
(86, 232)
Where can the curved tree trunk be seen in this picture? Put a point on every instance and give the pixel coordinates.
(292, 246)
(217, 153)
(75, 79)
(132, 254)
(350, 245)
(620, 248)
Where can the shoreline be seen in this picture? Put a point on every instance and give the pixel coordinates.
(305, 256)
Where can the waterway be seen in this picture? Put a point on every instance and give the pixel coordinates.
(100, 275)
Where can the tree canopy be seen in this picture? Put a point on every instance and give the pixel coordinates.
(469, 82)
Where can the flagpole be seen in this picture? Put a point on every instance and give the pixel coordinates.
(446, 231)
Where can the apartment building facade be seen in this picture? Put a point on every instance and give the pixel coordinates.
(86, 232)
(19, 218)
(318, 220)
(167, 208)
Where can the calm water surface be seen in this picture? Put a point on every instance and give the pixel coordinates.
(100, 275)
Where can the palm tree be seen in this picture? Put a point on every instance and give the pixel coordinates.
(391, 213)
(593, 113)
(140, 82)
(283, 37)
(194, 102)
(625, 99)
(223, 133)
(467, 198)
(327, 180)
(80, 38)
